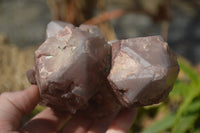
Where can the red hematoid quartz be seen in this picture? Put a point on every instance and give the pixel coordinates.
(77, 70)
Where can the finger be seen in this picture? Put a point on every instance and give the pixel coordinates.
(123, 121)
(78, 124)
(101, 125)
(16, 104)
(46, 121)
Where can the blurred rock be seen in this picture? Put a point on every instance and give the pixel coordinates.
(24, 21)
(184, 30)
(135, 25)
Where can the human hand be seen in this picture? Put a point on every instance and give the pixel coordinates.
(14, 105)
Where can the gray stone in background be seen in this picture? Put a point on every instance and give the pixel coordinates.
(184, 30)
(24, 21)
(135, 25)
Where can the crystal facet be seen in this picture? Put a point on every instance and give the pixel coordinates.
(143, 70)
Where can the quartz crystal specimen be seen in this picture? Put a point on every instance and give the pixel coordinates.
(143, 70)
(77, 70)
(70, 68)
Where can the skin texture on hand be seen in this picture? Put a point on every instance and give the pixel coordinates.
(14, 105)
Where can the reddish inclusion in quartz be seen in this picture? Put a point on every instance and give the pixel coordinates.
(73, 74)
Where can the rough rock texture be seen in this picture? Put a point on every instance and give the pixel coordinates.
(72, 67)
(143, 70)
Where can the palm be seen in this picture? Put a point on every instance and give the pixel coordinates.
(47, 121)
(13, 106)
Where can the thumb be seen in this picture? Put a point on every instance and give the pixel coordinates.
(13, 105)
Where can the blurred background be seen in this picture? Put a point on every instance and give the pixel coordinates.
(22, 30)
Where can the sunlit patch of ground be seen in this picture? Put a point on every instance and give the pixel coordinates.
(14, 63)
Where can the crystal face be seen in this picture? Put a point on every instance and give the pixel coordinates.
(69, 66)
(143, 70)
